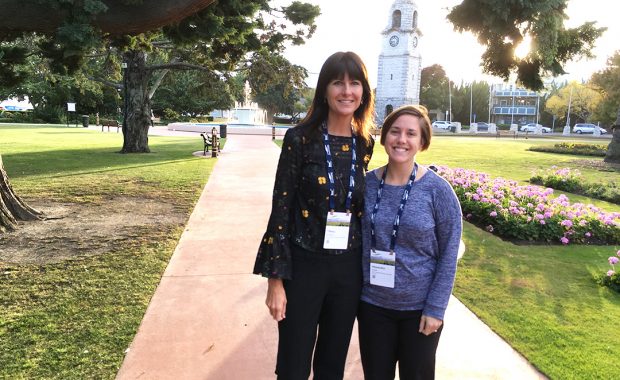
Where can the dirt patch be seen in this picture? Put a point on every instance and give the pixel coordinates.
(597, 165)
(74, 229)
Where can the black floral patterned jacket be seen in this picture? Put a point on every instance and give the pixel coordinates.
(301, 198)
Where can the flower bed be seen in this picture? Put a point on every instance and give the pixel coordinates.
(529, 213)
(598, 150)
(571, 181)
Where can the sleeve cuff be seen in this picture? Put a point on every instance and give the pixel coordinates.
(274, 257)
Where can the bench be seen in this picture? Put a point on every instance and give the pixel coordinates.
(109, 123)
(501, 133)
(375, 132)
(208, 142)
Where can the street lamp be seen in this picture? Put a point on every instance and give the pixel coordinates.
(450, 100)
(125, 100)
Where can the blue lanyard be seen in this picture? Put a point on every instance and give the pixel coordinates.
(330, 172)
(399, 214)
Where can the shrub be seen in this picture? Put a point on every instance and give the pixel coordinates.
(170, 114)
(529, 213)
(571, 181)
(611, 279)
(598, 150)
(564, 179)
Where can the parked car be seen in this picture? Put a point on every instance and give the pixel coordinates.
(580, 128)
(531, 127)
(482, 126)
(442, 124)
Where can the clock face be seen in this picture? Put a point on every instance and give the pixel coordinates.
(393, 41)
(415, 41)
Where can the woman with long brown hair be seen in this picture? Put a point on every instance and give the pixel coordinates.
(311, 251)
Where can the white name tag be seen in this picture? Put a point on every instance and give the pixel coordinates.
(382, 268)
(337, 230)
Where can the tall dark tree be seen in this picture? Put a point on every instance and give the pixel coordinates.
(434, 88)
(276, 84)
(186, 34)
(608, 80)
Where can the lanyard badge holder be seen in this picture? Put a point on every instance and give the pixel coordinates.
(383, 263)
(338, 223)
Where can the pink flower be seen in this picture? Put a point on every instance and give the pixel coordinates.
(588, 234)
(567, 223)
(542, 221)
(493, 214)
(610, 273)
(613, 260)
(564, 240)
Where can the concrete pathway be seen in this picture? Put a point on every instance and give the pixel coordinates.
(207, 319)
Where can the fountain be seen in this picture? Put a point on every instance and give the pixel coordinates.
(248, 113)
(245, 118)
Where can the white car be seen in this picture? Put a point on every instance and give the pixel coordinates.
(442, 124)
(580, 128)
(531, 127)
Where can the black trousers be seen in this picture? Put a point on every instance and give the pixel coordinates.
(322, 301)
(390, 336)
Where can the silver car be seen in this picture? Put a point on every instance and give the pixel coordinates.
(580, 128)
(442, 124)
(531, 127)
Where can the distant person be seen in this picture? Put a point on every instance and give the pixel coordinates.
(411, 230)
(312, 249)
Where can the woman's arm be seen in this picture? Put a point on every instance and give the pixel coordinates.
(448, 229)
(274, 259)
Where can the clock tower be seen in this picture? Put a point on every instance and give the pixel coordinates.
(398, 79)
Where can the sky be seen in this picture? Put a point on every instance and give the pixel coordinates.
(356, 25)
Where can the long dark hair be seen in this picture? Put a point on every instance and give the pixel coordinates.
(335, 67)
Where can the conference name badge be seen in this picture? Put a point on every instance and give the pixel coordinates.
(382, 268)
(337, 230)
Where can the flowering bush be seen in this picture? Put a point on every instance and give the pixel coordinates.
(571, 181)
(612, 277)
(574, 149)
(531, 213)
(563, 179)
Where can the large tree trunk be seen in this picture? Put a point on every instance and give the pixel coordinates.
(12, 208)
(613, 150)
(136, 102)
(120, 18)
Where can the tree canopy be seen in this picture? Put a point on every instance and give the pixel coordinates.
(218, 40)
(608, 82)
(501, 26)
(277, 84)
(434, 87)
(583, 101)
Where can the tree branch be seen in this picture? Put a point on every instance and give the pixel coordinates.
(108, 83)
(177, 65)
(159, 79)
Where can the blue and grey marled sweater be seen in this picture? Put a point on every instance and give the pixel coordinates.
(427, 245)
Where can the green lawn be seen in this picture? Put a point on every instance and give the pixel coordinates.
(75, 319)
(541, 299)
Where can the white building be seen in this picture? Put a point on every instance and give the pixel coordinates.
(400, 66)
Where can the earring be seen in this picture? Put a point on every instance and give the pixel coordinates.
(362, 101)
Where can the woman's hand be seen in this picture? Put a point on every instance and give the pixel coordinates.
(429, 325)
(276, 299)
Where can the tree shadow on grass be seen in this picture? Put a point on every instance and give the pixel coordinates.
(69, 162)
